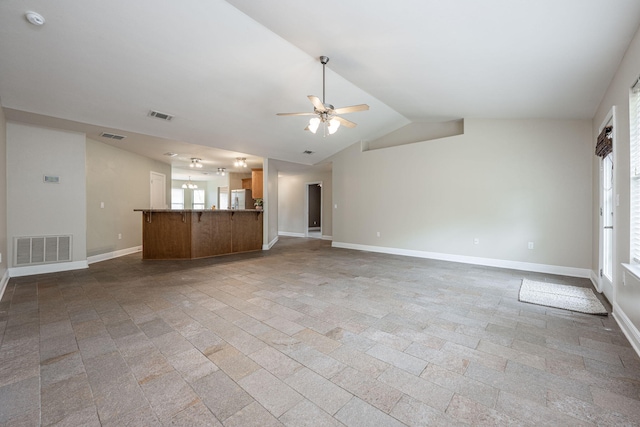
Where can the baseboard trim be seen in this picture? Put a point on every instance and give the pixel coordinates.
(627, 326)
(111, 255)
(3, 283)
(488, 262)
(327, 237)
(289, 234)
(47, 268)
(270, 244)
(595, 280)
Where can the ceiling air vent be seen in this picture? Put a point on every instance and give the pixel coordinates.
(159, 115)
(308, 152)
(112, 136)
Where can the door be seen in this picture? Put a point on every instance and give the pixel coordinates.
(607, 215)
(606, 221)
(158, 191)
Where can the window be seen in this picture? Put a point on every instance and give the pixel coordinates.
(198, 199)
(634, 120)
(177, 198)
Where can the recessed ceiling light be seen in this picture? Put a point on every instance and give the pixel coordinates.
(34, 18)
(170, 154)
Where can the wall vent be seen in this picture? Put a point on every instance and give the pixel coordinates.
(112, 136)
(159, 115)
(34, 250)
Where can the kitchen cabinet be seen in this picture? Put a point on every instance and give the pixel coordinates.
(247, 184)
(191, 234)
(256, 183)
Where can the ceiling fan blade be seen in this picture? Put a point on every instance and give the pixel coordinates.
(317, 103)
(352, 109)
(296, 114)
(345, 122)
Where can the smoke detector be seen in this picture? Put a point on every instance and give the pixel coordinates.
(34, 18)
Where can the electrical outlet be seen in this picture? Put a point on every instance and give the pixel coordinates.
(101, 205)
(476, 241)
(119, 236)
(530, 246)
(377, 234)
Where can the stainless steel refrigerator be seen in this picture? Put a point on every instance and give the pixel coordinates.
(241, 199)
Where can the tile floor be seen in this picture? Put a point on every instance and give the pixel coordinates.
(305, 335)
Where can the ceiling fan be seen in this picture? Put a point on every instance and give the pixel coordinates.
(326, 113)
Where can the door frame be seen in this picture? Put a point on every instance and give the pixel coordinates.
(306, 207)
(603, 285)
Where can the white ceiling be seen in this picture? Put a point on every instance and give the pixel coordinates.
(225, 68)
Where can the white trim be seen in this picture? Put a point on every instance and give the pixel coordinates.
(290, 234)
(634, 269)
(595, 280)
(114, 254)
(325, 237)
(628, 328)
(47, 268)
(270, 244)
(489, 262)
(3, 283)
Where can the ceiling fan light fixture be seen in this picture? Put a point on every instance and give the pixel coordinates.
(327, 113)
(334, 124)
(313, 124)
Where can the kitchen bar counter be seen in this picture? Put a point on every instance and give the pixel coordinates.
(191, 233)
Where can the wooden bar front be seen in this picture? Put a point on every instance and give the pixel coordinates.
(188, 234)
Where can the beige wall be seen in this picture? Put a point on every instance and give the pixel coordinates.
(504, 182)
(291, 201)
(627, 296)
(36, 208)
(120, 180)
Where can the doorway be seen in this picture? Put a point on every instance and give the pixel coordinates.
(607, 216)
(313, 211)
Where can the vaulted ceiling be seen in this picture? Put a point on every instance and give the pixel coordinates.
(223, 69)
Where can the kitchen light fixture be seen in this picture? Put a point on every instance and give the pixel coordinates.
(240, 162)
(195, 163)
(189, 185)
(221, 171)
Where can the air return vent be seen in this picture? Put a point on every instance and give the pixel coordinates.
(159, 115)
(41, 250)
(308, 152)
(112, 136)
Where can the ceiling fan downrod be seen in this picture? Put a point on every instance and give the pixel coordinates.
(323, 60)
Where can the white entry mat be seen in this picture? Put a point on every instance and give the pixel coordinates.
(573, 298)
